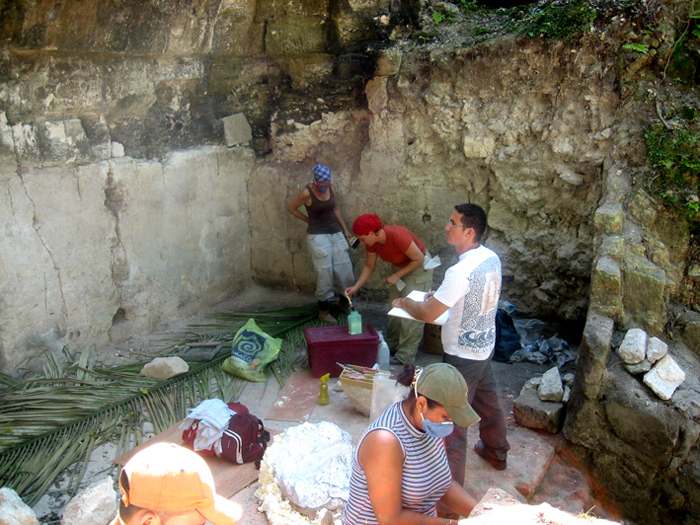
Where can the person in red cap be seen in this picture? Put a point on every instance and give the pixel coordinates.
(400, 247)
(168, 484)
(327, 238)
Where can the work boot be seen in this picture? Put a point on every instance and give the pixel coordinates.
(326, 317)
(498, 464)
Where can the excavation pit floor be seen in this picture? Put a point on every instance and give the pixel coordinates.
(541, 466)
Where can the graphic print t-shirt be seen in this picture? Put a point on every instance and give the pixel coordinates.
(471, 289)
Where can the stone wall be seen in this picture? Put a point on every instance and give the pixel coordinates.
(524, 131)
(94, 253)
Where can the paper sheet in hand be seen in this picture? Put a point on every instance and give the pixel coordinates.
(417, 296)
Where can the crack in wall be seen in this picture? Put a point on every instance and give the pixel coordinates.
(114, 202)
(36, 226)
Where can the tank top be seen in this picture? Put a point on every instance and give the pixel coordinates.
(426, 473)
(322, 218)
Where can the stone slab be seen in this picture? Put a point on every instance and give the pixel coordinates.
(528, 460)
(495, 498)
(297, 399)
(531, 412)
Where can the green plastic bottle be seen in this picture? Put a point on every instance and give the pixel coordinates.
(323, 398)
(354, 323)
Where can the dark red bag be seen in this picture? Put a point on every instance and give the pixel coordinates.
(245, 440)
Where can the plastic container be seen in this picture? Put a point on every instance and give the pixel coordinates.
(354, 323)
(329, 345)
(383, 354)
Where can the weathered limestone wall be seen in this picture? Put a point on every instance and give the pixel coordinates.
(523, 131)
(94, 253)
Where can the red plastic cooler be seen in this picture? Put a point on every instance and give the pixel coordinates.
(328, 345)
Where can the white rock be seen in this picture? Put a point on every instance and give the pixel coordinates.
(13, 511)
(97, 504)
(656, 349)
(551, 388)
(567, 395)
(165, 367)
(531, 384)
(117, 150)
(665, 377)
(237, 130)
(634, 346)
(568, 379)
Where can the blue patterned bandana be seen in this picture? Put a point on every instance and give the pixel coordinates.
(322, 173)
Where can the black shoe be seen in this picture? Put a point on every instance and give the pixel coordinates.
(498, 464)
(395, 361)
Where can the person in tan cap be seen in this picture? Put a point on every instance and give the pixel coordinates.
(400, 469)
(166, 483)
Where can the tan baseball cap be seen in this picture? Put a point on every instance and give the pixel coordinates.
(443, 383)
(168, 477)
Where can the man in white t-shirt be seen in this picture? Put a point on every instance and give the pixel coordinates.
(470, 291)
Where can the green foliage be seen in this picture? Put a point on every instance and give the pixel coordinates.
(562, 20)
(468, 5)
(674, 155)
(640, 48)
(440, 17)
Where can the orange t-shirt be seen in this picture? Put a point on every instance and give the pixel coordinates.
(398, 241)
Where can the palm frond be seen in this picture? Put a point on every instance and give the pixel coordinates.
(55, 420)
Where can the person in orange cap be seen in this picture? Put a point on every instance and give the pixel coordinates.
(168, 484)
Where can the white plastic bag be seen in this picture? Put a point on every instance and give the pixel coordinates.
(385, 392)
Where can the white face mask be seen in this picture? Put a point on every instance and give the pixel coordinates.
(437, 430)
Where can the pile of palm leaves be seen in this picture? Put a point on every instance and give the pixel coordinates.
(54, 420)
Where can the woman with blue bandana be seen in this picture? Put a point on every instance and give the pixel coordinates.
(400, 470)
(327, 240)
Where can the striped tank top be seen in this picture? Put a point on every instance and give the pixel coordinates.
(426, 473)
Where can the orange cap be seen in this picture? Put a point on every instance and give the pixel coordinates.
(168, 477)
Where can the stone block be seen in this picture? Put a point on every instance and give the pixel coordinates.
(13, 511)
(644, 293)
(237, 130)
(117, 150)
(295, 35)
(656, 349)
(388, 62)
(585, 422)
(531, 412)
(165, 367)
(609, 218)
(665, 377)
(633, 347)
(376, 94)
(97, 503)
(478, 147)
(63, 141)
(606, 287)
(638, 368)
(531, 384)
(551, 387)
(594, 355)
(691, 336)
